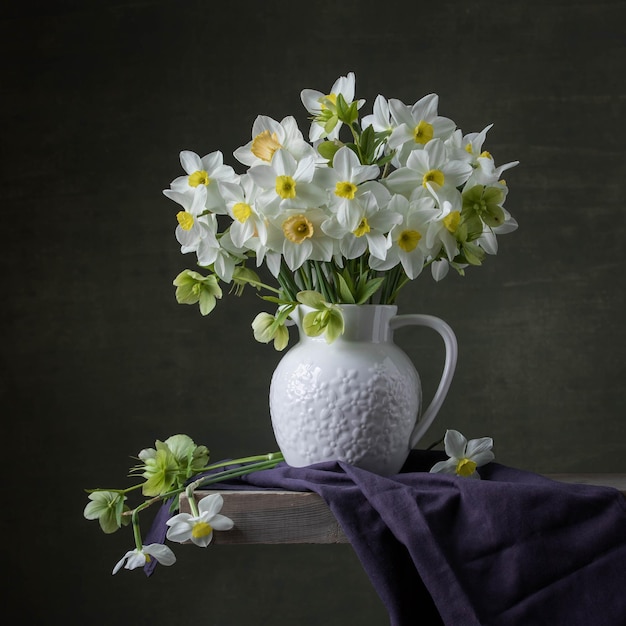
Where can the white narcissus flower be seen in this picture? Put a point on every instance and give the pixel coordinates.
(365, 229)
(298, 236)
(205, 172)
(241, 206)
(323, 107)
(467, 147)
(430, 166)
(199, 529)
(347, 179)
(417, 125)
(407, 240)
(194, 231)
(286, 184)
(268, 136)
(465, 456)
(138, 558)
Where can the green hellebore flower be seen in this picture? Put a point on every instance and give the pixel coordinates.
(107, 507)
(192, 287)
(268, 328)
(161, 471)
(326, 318)
(190, 458)
(484, 202)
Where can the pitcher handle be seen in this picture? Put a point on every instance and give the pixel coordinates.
(449, 366)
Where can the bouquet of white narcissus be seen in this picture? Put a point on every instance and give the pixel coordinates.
(338, 221)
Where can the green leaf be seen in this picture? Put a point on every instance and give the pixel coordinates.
(368, 144)
(345, 113)
(276, 300)
(366, 289)
(473, 254)
(328, 150)
(345, 293)
(314, 299)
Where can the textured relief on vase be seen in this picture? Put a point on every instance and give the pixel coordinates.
(358, 415)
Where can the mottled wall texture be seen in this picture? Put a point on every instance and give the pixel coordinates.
(98, 360)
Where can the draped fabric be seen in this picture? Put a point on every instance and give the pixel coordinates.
(514, 548)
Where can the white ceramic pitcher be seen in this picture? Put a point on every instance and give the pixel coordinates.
(357, 399)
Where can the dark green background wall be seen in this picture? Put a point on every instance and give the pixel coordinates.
(98, 360)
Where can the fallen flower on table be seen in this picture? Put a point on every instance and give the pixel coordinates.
(171, 467)
(198, 528)
(140, 556)
(465, 456)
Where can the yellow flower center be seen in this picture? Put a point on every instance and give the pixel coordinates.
(201, 529)
(465, 467)
(285, 187)
(452, 220)
(486, 154)
(298, 228)
(409, 239)
(363, 228)
(185, 220)
(199, 178)
(433, 176)
(242, 211)
(264, 145)
(332, 97)
(468, 148)
(148, 557)
(345, 189)
(423, 132)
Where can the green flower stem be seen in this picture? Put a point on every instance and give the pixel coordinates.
(136, 529)
(287, 282)
(120, 491)
(254, 464)
(193, 506)
(357, 142)
(236, 472)
(228, 474)
(258, 283)
(272, 456)
(305, 274)
(324, 286)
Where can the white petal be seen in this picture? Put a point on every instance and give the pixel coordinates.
(478, 446)
(454, 444)
(445, 467)
(211, 504)
(190, 161)
(179, 533)
(180, 518)
(161, 553)
(221, 522)
(118, 565)
(482, 458)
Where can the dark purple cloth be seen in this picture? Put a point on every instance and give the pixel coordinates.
(512, 549)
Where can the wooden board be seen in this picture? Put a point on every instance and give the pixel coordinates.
(281, 517)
